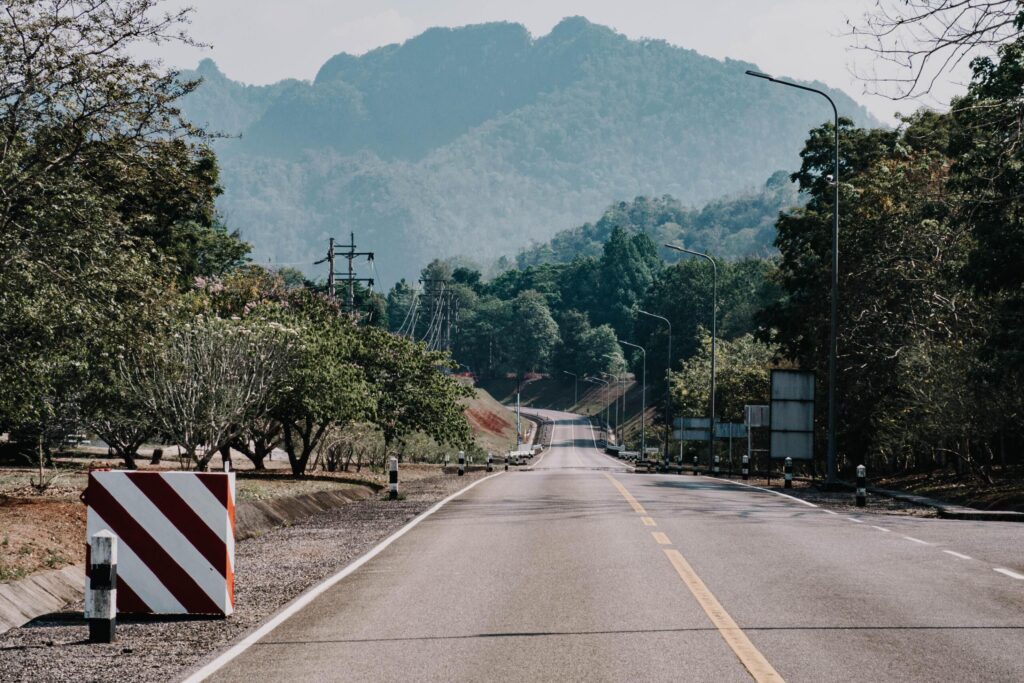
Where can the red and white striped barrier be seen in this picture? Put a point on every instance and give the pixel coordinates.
(176, 539)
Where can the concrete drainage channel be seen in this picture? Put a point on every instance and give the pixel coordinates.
(50, 591)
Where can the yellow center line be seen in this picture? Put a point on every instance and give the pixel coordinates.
(661, 538)
(633, 502)
(648, 521)
(751, 658)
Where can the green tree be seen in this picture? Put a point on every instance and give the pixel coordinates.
(742, 378)
(529, 334)
(411, 391)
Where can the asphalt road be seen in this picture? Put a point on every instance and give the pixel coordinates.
(577, 569)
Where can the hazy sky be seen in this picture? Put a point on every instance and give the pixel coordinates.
(261, 41)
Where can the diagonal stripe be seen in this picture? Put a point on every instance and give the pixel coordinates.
(176, 544)
(184, 518)
(182, 586)
(152, 595)
(128, 601)
(200, 498)
(217, 483)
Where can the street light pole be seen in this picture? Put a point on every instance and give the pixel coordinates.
(575, 388)
(622, 396)
(833, 345)
(598, 379)
(668, 380)
(643, 402)
(714, 342)
(616, 423)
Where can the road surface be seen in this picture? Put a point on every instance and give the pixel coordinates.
(579, 570)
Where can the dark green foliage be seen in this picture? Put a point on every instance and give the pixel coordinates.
(730, 227)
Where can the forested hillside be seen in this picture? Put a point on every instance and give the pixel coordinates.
(731, 227)
(480, 140)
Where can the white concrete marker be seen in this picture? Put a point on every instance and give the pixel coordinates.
(101, 598)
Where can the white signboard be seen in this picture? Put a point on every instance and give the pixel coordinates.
(730, 430)
(756, 416)
(792, 415)
(690, 434)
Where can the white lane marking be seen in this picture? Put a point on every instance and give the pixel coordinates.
(312, 593)
(1009, 572)
(854, 519)
(880, 528)
(777, 493)
(916, 540)
(831, 512)
(956, 554)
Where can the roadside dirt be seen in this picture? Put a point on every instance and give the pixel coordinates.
(1006, 493)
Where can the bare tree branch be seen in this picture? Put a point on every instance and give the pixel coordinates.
(916, 42)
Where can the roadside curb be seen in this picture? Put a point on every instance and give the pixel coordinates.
(253, 518)
(949, 510)
(42, 593)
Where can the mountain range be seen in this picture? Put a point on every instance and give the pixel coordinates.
(482, 140)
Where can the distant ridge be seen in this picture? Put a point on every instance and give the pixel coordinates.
(481, 140)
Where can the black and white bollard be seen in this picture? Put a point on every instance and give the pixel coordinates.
(101, 598)
(696, 472)
(715, 466)
(506, 462)
(447, 460)
(489, 468)
(745, 469)
(862, 486)
(788, 473)
(462, 463)
(393, 478)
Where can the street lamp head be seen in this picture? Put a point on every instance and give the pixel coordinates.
(760, 74)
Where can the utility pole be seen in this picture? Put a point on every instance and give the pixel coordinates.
(351, 279)
(329, 259)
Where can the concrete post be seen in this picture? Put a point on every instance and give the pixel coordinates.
(462, 463)
(101, 599)
(862, 486)
(696, 472)
(489, 468)
(745, 469)
(715, 466)
(788, 473)
(393, 478)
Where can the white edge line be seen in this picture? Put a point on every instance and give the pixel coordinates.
(1008, 572)
(312, 593)
(777, 493)
(956, 554)
(831, 512)
(916, 540)
(854, 519)
(880, 528)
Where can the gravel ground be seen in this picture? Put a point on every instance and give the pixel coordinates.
(271, 570)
